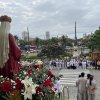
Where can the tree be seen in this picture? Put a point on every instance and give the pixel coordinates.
(52, 51)
(16, 37)
(63, 41)
(95, 41)
(54, 40)
(23, 42)
(66, 41)
(38, 42)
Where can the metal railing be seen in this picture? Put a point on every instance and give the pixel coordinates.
(63, 93)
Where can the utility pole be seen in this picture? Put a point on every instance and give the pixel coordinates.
(28, 33)
(75, 35)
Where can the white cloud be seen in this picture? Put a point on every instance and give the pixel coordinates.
(56, 16)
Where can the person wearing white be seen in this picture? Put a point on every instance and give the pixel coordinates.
(53, 64)
(84, 64)
(50, 64)
(68, 64)
(91, 88)
(76, 64)
(71, 63)
(63, 64)
(57, 64)
(58, 86)
(60, 64)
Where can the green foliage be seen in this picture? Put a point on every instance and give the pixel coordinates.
(52, 51)
(69, 54)
(65, 41)
(38, 77)
(23, 42)
(16, 37)
(86, 55)
(95, 41)
(38, 42)
(49, 96)
(29, 57)
(16, 96)
(54, 40)
(49, 42)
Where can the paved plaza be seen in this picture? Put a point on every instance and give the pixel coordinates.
(69, 79)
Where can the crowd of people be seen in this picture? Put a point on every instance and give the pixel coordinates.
(73, 63)
(86, 87)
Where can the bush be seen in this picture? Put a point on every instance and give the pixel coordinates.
(69, 54)
(31, 57)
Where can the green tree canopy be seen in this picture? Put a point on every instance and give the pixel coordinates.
(94, 42)
(52, 51)
(38, 42)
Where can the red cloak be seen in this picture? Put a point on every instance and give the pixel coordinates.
(12, 66)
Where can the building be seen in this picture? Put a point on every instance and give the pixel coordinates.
(47, 35)
(95, 55)
(25, 35)
(87, 36)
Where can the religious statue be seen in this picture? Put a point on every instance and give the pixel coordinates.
(10, 53)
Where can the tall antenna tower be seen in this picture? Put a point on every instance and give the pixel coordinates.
(28, 33)
(75, 34)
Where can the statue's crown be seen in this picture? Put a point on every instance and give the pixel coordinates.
(5, 18)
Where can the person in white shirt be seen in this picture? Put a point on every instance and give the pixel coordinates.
(71, 63)
(84, 64)
(50, 64)
(57, 64)
(76, 64)
(91, 88)
(68, 64)
(58, 86)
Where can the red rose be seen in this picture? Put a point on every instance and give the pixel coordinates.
(17, 81)
(55, 89)
(29, 72)
(19, 85)
(36, 66)
(39, 90)
(19, 65)
(5, 87)
(49, 73)
(48, 83)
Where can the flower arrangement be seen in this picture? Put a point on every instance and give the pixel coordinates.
(9, 89)
(35, 82)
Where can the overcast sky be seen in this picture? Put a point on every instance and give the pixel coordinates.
(56, 16)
